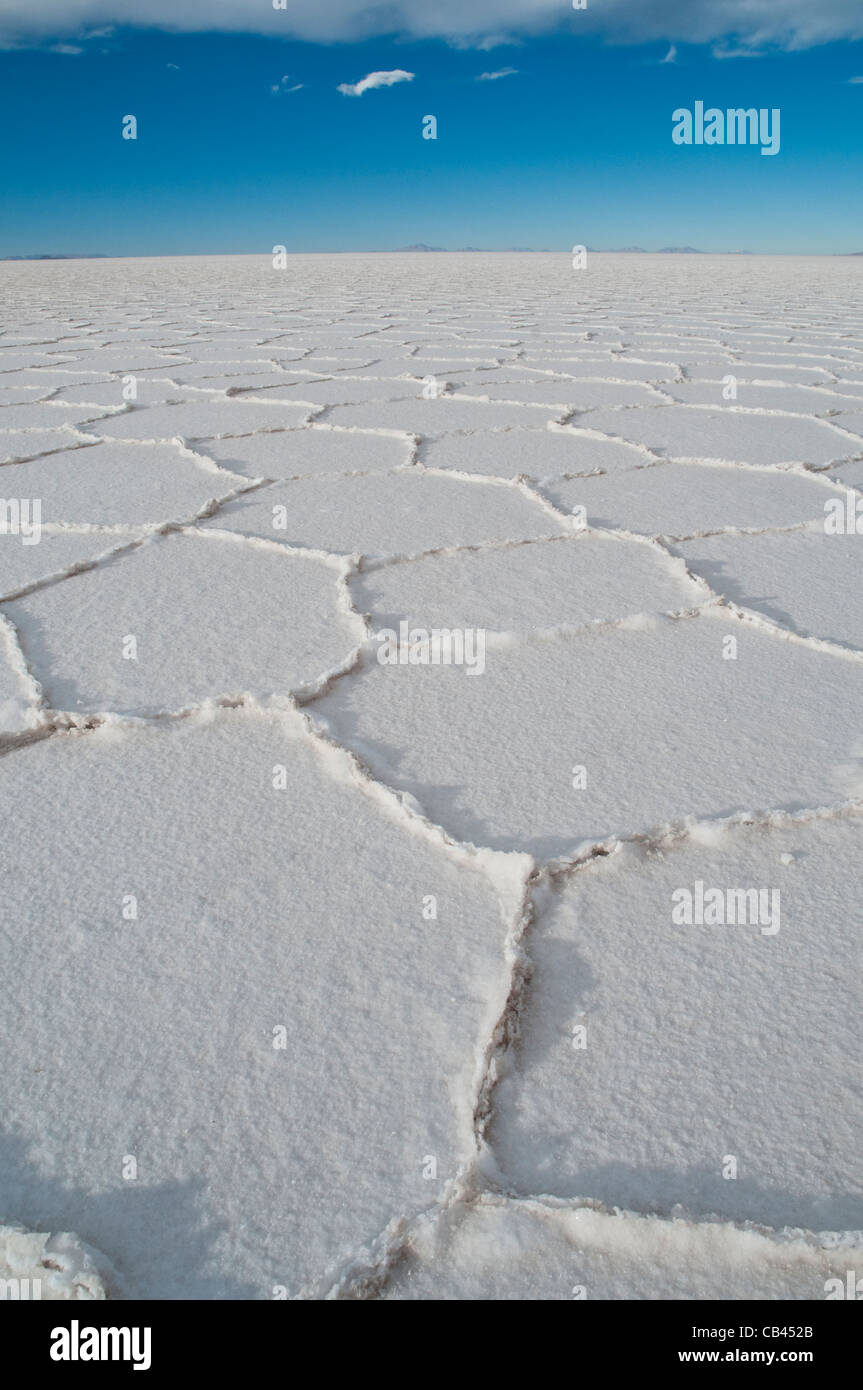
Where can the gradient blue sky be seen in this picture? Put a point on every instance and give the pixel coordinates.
(574, 147)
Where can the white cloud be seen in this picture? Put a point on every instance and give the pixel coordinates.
(855, 79)
(671, 55)
(373, 80)
(283, 86)
(493, 76)
(747, 24)
(70, 48)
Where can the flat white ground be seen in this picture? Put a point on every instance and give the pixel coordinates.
(331, 978)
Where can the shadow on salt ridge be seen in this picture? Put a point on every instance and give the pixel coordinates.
(155, 1237)
(702, 1191)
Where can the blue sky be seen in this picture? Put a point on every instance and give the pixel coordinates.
(573, 147)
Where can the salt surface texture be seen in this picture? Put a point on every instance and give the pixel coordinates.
(356, 980)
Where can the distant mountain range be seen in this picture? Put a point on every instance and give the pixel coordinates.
(61, 256)
(640, 251)
(421, 246)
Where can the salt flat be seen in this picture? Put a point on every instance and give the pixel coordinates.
(331, 978)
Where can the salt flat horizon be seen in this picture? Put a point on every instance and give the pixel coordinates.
(430, 251)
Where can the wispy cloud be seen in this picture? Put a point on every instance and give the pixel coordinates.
(855, 79)
(671, 55)
(493, 76)
(70, 48)
(284, 86)
(727, 51)
(373, 80)
(483, 43)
